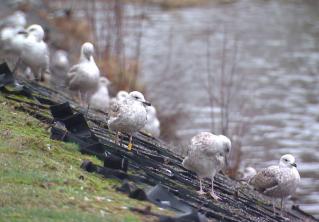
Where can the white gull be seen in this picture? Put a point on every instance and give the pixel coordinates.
(59, 68)
(152, 125)
(83, 77)
(35, 52)
(11, 40)
(247, 174)
(100, 99)
(17, 19)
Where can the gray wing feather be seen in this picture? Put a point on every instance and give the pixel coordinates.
(71, 73)
(114, 109)
(208, 151)
(266, 179)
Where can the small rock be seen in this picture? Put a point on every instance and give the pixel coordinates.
(102, 212)
(99, 198)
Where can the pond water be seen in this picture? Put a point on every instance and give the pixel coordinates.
(278, 57)
(274, 47)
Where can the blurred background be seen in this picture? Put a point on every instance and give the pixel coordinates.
(248, 69)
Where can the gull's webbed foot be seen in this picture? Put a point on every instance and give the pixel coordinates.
(129, 146)
(200, 192)
(214, 196)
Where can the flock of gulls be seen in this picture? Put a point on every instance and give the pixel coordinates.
(129, 112)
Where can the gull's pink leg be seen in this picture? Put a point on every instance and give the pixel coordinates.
(212, 193)
(200, 192)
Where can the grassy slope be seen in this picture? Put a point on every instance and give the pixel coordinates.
(39, 177)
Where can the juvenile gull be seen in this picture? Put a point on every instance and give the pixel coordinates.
(83, 77)
(114, 103)
(278, 181)
(207, 156)
(100, 99)
(128, 116)
(35, 53)
(152, 125)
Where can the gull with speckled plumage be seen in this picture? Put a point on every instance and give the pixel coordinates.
(278, 181)
(207, 156)
(128, 115)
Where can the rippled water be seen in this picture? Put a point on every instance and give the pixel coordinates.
(278, 65)
(278, 54)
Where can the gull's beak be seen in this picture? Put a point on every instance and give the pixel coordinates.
(146, 103)
(224, 170)
(294, 164)
(23, 32)
(226, 161)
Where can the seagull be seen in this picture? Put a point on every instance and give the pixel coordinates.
(208, 155)
(129, 115)
(278, 181)
(100, 99)
(115, 102)
(152, 125)
(11, 40)
(17, 19)
(249, 172)
(59, 68)
(35, 52)
(84, 76)
(120, 97)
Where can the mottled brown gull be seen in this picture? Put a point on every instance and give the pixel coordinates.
(128, 116)
(278, 181)
(207, 156)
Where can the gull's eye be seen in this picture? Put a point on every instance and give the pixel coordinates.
(285, 160)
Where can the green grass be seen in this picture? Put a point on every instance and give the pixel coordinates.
(40, 177)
